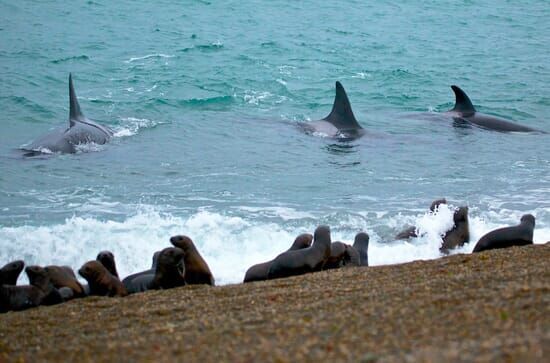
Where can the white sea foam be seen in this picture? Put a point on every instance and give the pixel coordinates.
(230, 244)
(148, 56)
(130, 126)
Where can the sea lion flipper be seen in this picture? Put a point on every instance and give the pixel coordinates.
(75, 114)
(462, 102)
(341, 115)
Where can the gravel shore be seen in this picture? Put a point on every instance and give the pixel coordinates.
(491, 306)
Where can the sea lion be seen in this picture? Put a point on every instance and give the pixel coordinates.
(169, 273)
(107, 259)
(298, 262)
(38, 277)
(459, 234)
(64, 277)
(196, 269)
(151, 271)
(19, 297)
(410, 232)
(519, 235)
(100, 280)
(342, 255)
(361, 245)
(259, 272)
(10, 272)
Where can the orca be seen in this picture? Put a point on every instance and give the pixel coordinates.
(340, 123)
(81, 130)
(465, 114)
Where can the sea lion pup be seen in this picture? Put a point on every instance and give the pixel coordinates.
(107, 259)
(342, 255)
(38, 277)
(100, 280)
(361, 245)
(196, 269)
(169, 272)
(459, 234)
(19, 297)
(298, 262)
(410, 232)
(63, 277)
(10, 272)
(259, 272)
(519, 235)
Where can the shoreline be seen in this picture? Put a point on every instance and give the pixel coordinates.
(489, 306)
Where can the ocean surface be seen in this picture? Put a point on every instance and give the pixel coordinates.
(205, 98)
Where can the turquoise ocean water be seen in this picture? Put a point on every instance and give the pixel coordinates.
(205, 98)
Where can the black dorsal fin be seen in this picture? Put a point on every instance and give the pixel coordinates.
(462, 102)
(74, 108)
(341, 115)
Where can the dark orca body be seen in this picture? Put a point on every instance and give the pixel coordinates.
(66, 139)
(464, 113)
(340, 123)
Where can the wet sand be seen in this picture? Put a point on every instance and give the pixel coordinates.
(491, 306)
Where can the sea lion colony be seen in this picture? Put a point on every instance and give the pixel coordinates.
(182, 264)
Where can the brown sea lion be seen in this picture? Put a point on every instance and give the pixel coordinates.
(196, 269)
(351, 257)
(298, 262)
(459, 234)
(169, 272)
(259, 272)
(410, 232)
(10, 272)
(361, 245)
(38, 277)
(519, 235)
(337, 254)
(100, 280)
(63, 276)
(107, 259)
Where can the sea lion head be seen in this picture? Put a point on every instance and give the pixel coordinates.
(321, 236)
(436, 203)
(528, 219)
(302, 241)
(460, 215)
(183, 242)
(171, 259)
(38, 276)
(361, 240)
(107, 259)
(92, 270)
(10, 272)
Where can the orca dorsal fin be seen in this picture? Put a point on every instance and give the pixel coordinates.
(462, 102)
(74, 108)
(341, 115)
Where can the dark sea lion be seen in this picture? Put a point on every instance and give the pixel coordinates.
(141, 286)
(100, 280)
(361, 245)
(63, 276)
(107, 259)
(410, 232)
(259, 272)
(169, 272)
(19, 297)
(38, 277)
(459, 234)
(464, 114)
(519, 235)
(196, 269)
(298, 262)
(342, 255)
(10, 272)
